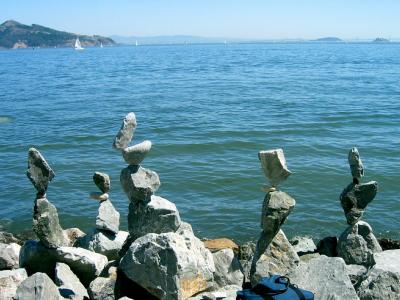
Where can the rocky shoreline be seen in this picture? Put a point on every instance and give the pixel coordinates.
(159, 257)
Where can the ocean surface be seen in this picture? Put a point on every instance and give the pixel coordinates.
(208, 109)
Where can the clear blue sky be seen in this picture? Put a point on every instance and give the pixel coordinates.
(213, 18)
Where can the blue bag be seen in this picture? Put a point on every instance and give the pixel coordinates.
(275, 287)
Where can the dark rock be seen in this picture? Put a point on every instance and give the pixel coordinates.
(39, 171)
(102, 181)
(246, 251)
(327, 246)
(389, 244)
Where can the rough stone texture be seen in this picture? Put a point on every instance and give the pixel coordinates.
(326, 277)
(169, 265)
(39, 286)
(108, 217)
(225, 293)
(99, 196)
(102, 181)
(134, 155)
(125, 134)
(69, 285)
(387, 261)
(357, 244)
(9, 256)
(221, 243)
(104, 243)
(39, 171)
(46, 224)
(246, 251)
(303, 245)
(274, 166)
(102, 289)
(9, 282)
(227, 268)
(307, 257)
(8, 238)
(277, 257)
(139, 184)
(355, 198)
(327, 246)
(356, 166)
(73, 234)
(84, 263)
(356, 274)
(158, 216)
(389, 244)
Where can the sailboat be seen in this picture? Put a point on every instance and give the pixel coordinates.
(101, 45)
(136, 43)
(78, 44)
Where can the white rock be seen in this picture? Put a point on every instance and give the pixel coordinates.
(9, 282)
(108, 217)
(39, 286)
(227, 268)
(274, 166)
(303, 245)
(9, 256)
(134, 155)
(69, 285)
(99, 196)
(125, 134)
(226, 293)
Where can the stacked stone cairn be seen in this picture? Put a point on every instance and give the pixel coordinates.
(274, 254)
(162, 255)
(357, 243)
(106, 238)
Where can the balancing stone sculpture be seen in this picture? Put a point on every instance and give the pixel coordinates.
(274, 253)
(357, 243)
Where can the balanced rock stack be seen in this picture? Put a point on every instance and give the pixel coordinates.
(162, 254)
(106, 238)
(274, 254)
(357, 243)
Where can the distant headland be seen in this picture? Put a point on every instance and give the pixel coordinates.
(329, 39)
(381, 40)
(16, 35)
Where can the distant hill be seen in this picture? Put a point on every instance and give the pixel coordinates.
(17, 35)
(381, 40)
(165, 39)
(328, 39)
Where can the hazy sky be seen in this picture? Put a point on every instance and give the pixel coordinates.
(213, 18)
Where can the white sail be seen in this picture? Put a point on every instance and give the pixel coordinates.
(101, 45)
(78, 44)
(136, 43)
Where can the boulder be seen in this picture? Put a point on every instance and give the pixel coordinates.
(9, 256)
(102, 289)
(8, 238)
(227, 268)
(134, 155)
(326, 277)
(69, 285)
(388, 260)
(108, 217)
(356, 166)
(303, 245)
(139, 184)
(327, 246)
(357, 244)
(169, 265)
(246, 251)
(356, 274)
(274, 166)
(46, 224)
(355, 198)
(221, 243)
(305, 258)
(9, 282)
(278, 257)
(73, 234)
(387, 244)
(39, 286)
(125, 134)
(102, 181)
(158, 216)
(39, 171)
(226, 293)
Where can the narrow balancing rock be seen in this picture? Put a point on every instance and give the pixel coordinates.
(356, 166)
(274, 166)
(39, 171)
(125, 134)
(102, 181)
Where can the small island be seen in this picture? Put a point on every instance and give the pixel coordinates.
(16, 35)
(329, 40)
(381, 40)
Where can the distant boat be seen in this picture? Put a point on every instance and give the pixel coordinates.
(101, 45)
(78, 44)
(136, 43)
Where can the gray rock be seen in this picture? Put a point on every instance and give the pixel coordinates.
(125, 134)
(69, 285)
(102, 181)
(169, 265)
(303, 245)
(356, 274)
(227, 268)
(134, 155)
(108, 217)
(37, 287)
(158, 216)
(73, 234)
(39, 171)
(9, 256)
(305, 258)
(388, 260)
(8, 238)
(46, 224)
(326, 277)
(9, 282)
(139, 184)
(104, 243)
(226, 293)
(276, 257)
(274, 166)
(99, 196)
(102, 289)
(356, 165)
(357, 244)
(327, 246)
(355, 198)
(246, 251)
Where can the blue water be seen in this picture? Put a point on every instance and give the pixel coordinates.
(208, 109)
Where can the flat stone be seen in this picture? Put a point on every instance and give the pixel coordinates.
(46, 224)
(125, 134)
(357, 244)
(9, 256)
(39, 286)
(139, 184)
(303, 245)
(9, 282)
(355, 198)
(227, 268)
(327, 246)
(99, 196)
(274, 166)
(108, 217)
(134, 155)
(356, 165)
(102, 289)
(221, 243)
(39, 171)
(388, 261)
(69, 285)
(102, 181)
(226, 293)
